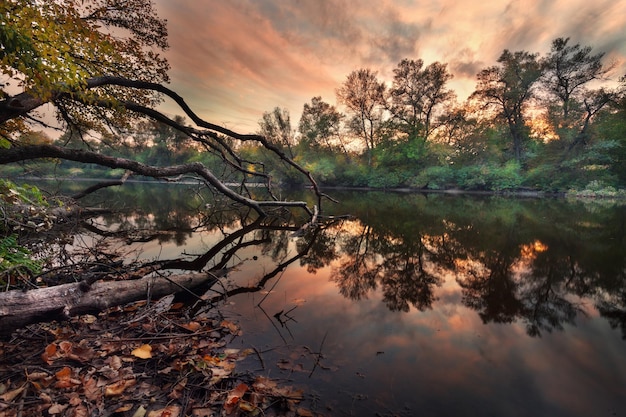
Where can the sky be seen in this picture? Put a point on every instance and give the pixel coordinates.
(233, 60)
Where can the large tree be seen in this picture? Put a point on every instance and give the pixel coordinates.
(320, 124)
(364, 97)
(276, 127)
(99, 64)
(416, 93)
(507, 88)
(569, 71)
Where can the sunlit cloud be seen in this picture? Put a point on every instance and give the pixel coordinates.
(237, 59)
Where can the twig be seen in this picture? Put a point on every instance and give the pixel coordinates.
(258, 354)
(319, 354)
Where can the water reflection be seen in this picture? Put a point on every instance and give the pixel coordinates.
(422, 305)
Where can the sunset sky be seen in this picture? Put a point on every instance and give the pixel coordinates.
(233, 60)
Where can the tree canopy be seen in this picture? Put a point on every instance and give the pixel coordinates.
(99, 64)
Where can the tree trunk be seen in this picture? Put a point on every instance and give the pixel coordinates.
(19, 308)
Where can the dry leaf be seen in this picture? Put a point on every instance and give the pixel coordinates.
(140, 412)
(7, 397)
(202, 412)
(81, 411)
(90, 387)
(192, 326)
(303, 412)
(64, 378)
(234, 329)
(143, 352)
(124, 408)
(169, 411)
(234, 396)
(118, 387)
(57, 408)
(49, 353)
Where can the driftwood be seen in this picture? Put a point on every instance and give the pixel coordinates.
(19, 308)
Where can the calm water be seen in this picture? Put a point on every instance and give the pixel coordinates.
(418, 305)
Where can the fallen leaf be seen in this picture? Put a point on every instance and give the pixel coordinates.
(217, 374)
(248, 407)
(169, 411)
(303, 412)
(49, 353)
(234, 329)
(143, 352)
(124, 408)
(118, 387)
(234, 396)
(64, 378)
(202, 412)
(91, 390)
(140, 412)
(57, 408)
(192, 326)
(7, 397)
(81, 411)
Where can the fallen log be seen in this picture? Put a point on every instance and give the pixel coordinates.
(19, 308)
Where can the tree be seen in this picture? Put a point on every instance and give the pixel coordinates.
(320, 124)
(363, 96)
(416, 94)
(276, 127)
(567, 69)
(507, 88)
(98, 64)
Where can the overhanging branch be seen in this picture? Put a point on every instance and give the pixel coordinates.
(30, 152)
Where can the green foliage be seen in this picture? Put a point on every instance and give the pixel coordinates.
(12, 193)
(15, 260)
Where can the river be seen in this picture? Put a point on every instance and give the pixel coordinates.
(428, 305)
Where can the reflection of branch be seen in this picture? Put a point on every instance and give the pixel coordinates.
(100, 185)
(319, 354)
(279, 268)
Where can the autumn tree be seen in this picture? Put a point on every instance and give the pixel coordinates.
(416, 94)
(364, 98)
(99, 64)
(507, 88)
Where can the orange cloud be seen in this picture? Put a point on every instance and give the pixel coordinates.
(239, 58)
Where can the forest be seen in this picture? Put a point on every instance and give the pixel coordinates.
(553, 123)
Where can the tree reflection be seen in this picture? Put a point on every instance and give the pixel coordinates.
(532, 262)
(397, 263)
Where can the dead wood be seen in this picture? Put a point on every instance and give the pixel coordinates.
(19, 308)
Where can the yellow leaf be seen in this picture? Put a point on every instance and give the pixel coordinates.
(143, 352)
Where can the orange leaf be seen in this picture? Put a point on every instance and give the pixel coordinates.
(234, 396)
(192, 326)
(64, 373)
(65, 346)
(230, 326)
(118, 387)
(64, 378)
(48, 353)
(143, 352)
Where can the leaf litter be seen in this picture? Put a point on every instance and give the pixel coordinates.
(130, 364)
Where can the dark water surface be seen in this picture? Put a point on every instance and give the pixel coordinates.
(422, 305)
